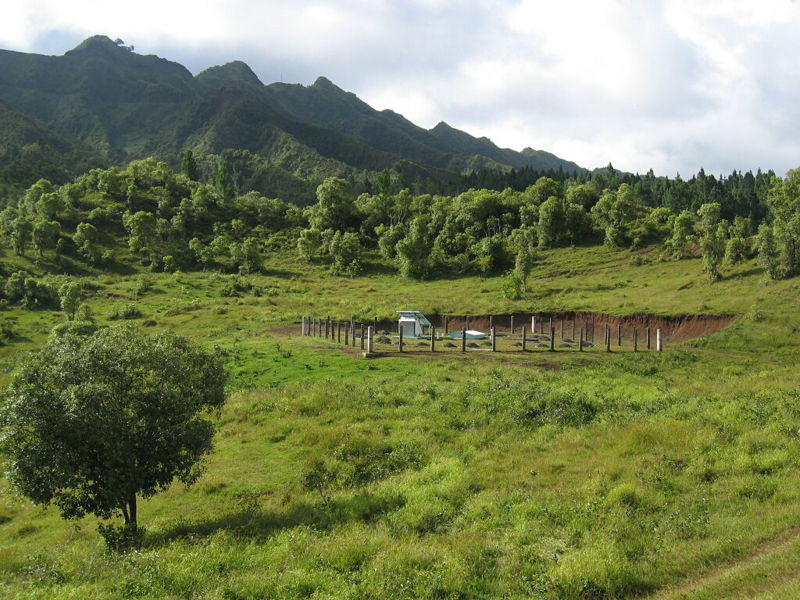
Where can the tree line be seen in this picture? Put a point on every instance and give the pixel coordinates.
(167, 220)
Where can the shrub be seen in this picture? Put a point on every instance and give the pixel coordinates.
(127, 311)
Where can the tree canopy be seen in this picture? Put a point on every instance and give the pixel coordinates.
(90, 423)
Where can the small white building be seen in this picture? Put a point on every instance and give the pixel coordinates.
(413, 323)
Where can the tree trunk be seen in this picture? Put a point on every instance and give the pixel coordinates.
(129, 512)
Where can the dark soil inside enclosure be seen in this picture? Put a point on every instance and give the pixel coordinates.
(678, 327)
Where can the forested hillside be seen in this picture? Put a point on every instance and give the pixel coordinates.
(101, 104)
(147, 215)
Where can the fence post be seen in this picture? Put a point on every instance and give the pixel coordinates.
(619, 335)
(608, 338)
(533, 325)
(494, 346)
(635, 339)
(552, 339)
(339, 332)
(550, 324)
(446, 325)
(491, 321)
(580, 340)
(659, 341)
(353, 334)
(401, 338)
(573, 328)
(512, 324)
(361, 331)
(369, 340)
(463, 339)
(346, 334)
(524, 339)
(648, 338)
(433, 339)
(562, 328)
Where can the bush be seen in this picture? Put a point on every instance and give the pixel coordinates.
(121, 538)
(127, 311)
(82, 328)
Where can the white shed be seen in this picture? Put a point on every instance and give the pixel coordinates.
(413, 323)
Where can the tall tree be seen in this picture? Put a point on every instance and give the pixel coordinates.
(189, 166)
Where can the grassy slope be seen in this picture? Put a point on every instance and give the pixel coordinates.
(679, 479)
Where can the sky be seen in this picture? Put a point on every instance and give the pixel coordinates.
(672, 85)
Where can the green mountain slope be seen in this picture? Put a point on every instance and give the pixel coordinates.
(111, 105)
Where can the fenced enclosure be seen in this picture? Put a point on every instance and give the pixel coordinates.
(538, 332)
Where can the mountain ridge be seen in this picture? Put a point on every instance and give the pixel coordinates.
(122, 106)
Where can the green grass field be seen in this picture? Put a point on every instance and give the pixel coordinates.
(587, 475)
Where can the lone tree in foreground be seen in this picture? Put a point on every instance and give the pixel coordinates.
(90, 423)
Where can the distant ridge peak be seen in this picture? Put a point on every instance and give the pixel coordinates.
(94, 44)
(233, 71)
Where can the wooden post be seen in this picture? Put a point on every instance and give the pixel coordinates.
(550, 324)
(466, 321)
(648, 338)
(635, 339)
(401, 338)
(369, 340)
(491, 321)
(552, 338)
(361, 331)
(659, 341)
(573, 327)
(353, 334)
(524, 339)
(619, 335)
(463, 339)
(446, 325)
(433, 339)
(580, 340)
(339, 331)
(494, 346)
(302, 325)
(533, 325)
(562, 329)
(327, 327)
(512, 324)
(346, 334)
(608, 338)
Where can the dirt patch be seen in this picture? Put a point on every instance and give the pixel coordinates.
(676, 327)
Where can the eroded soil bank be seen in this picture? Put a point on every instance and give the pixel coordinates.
(676, 327)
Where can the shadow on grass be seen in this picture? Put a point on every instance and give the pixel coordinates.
(256, 524)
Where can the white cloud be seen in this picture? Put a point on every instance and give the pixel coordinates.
(673, 85)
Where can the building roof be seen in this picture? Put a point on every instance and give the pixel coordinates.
(413, 315)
